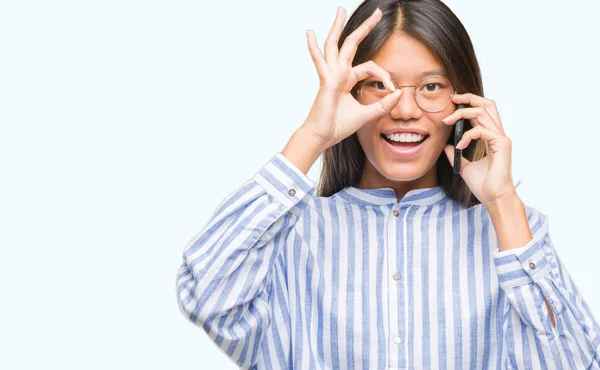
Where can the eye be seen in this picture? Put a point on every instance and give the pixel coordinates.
(377, 85)
(431, 87)
(434, 85)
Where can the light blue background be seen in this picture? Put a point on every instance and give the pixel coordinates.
(125, 123)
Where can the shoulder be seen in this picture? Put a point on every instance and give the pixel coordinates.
(322, 207)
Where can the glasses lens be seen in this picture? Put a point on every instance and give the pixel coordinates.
(434, 93)
(372, 90)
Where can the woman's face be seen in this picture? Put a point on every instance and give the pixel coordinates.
(406, 59)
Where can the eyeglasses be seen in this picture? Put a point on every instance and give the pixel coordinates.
(433, 93)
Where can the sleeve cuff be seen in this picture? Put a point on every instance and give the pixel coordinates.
(284, 182)
(523, 265)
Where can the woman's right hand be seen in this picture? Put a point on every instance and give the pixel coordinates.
(335, 113)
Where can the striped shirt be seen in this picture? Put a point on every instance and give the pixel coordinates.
(282, 279)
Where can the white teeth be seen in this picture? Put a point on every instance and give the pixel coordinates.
(405, 138)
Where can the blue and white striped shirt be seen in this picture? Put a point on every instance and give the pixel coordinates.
(282, 279)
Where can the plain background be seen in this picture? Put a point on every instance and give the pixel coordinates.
(125, 123)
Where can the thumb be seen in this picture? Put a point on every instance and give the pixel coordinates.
(449, 149)
(383, 106)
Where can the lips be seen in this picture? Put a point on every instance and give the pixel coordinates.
(403, 150)
(404, 131)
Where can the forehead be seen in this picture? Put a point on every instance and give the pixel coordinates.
(405, 57)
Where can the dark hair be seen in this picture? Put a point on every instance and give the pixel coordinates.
(435, 25)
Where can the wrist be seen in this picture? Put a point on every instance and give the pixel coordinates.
(507, 198)
(509, 217)
(303, 149)
(312, 140)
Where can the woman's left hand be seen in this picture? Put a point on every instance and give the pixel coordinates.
(490, 177)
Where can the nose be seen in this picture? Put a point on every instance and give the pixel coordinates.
(406, 108)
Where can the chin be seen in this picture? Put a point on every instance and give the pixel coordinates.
(402, 172)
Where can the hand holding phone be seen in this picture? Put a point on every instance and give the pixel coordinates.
(458, 133)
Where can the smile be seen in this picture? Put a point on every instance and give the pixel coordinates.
(403, 149)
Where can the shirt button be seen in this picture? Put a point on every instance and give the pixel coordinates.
(292, 192)
(396, 213)
(396, 276)
(531, 265)
(397, 340)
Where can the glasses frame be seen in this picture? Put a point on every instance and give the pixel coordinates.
(415, 91)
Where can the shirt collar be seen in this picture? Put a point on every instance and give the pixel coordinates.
(383, 196)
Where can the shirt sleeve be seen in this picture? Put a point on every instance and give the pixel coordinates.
(529, 274)
(224, 282)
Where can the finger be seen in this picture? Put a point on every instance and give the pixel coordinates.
(477, 115)
(449, 149)
(351, 42)
(316, 55)
(478, 101)
(331, 42)
(494, 140)
(370, 69)
(382, 107)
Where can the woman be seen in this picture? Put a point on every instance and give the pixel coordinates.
(394, 262)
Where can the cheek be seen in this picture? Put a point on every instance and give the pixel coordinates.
(446, 131)
(367, 136)
(443, 131)
(442, 136)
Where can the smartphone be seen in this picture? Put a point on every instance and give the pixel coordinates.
(458, 133)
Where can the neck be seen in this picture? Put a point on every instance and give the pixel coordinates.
(373, 179)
